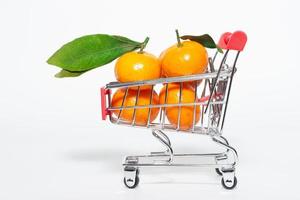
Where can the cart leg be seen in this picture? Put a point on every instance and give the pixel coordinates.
(163, 138)
(227, 170)
(229, 149)
(221, 158)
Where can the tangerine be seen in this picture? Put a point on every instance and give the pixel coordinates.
(187, 112)
(183, 59)
(137, 66)
(141, 117)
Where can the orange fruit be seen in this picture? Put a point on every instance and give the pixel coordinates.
(137, 66)
(187, 112)
(187, 83)
(188, 58)
(130, 100)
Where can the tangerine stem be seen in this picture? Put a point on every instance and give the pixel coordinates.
(179, 44)
(144, 44)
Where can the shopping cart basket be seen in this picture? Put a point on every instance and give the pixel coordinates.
(212, 95)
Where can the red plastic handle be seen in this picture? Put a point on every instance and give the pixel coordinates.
(233, 41)
(104, 110)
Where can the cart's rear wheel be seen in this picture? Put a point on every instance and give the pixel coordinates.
(229, 184)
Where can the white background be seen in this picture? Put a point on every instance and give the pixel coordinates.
(53, 144)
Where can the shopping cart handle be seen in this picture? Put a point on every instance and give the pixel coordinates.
(104, 110)
(233, 41)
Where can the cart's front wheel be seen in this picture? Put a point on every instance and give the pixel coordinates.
(131, 179)
(131, 183)
(229, 184)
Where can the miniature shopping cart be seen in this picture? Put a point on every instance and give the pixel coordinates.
(212, 95)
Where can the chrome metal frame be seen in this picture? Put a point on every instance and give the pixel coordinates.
(216, 86)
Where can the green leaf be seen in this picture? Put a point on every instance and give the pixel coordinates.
(219, 49)
(206, 40)
(64, 73)
(91, 51)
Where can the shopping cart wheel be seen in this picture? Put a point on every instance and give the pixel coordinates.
(229, 184)
(129, 184)
(131, 179)
(219, 171)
